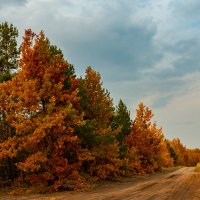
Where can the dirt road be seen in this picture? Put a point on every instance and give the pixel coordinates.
(183, 184)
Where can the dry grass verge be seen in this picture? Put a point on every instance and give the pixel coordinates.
(197, 169)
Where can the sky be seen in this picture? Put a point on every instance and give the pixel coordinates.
(145, 50)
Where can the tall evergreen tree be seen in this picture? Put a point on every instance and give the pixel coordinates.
(97, 134)
(8, 61)
(122, 119)
(8, 50)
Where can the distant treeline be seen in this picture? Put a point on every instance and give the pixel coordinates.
(58, 131)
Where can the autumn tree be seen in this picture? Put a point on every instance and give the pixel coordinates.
(96, 103)
(161, 151)
(42, 110)
(172, 152)
(194, 156)
(147, 147)
(8, 61)
(97, 134)
(184, 156)
(180, 151)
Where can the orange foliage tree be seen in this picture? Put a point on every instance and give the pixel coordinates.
(180, 151)
(147, 147)
(185, 156)
(57, 129)
(40, 103)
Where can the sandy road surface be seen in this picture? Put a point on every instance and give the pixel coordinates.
(183, 184)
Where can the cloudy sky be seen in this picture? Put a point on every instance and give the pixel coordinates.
(144, 50)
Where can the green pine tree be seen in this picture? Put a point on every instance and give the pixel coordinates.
(8, 50)
(97, 134)
(122, 119)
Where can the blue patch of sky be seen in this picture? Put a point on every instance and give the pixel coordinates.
(162, 101)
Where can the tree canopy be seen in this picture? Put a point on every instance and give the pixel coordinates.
(58, 131)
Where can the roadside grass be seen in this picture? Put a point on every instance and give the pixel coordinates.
(12, 191)
(197, 169)
(167, 170)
